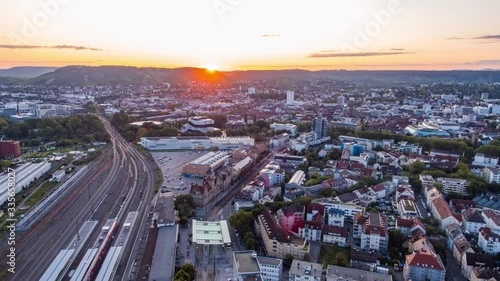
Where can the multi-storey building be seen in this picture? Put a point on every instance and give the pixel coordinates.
(319, 126)
(407, 208)
(205, 164)
(472, 221)
(410, 226)
(458, 186)
(372, 229)
(305, 271)
(492, 220)
(474, 260)
(313, 222)
(289, 161)
(338, 235)
(491, 174)
(276, 240)
(338, 273)
(199, 124)
(10, 149)
(247, 265)
(273, 174)
(336, 208)
(364, 260)
(292, 128)
(488, 241)
(481, 159)
(424, 264)
(441, 210)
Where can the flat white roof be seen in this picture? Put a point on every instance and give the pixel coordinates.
(211, 232)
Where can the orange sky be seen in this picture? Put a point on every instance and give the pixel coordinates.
(252, 34)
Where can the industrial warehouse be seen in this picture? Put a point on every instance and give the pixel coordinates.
(196, 143)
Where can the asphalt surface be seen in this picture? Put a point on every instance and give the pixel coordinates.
(118, 182)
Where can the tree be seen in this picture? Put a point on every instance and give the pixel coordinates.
(120, 119)
(341, 259)
(287, 260)
(307, 257)
(185, 205)
(242, 221)
(417, 167)
(182, 276)
(334, 154)
(189, 269)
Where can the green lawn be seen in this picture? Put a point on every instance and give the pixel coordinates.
(334, 255)
(40, 193)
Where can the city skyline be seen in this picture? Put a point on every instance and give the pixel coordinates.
(245, 35)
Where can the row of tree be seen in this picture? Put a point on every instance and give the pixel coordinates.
(185, 205)
(64, 130)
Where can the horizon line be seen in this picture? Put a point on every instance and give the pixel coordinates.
(242, 70)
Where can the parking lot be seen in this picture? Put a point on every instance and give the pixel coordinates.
(171, 164)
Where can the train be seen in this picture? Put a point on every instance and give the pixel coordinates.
(93, 259)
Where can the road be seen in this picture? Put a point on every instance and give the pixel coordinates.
(421, 206)
(117, 182)
(228, 198)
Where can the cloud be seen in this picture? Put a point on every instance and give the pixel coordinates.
(333, 54)
(270, 35)
(484, 37)
(489, 37)
(469, 63)
(65, 47)
(397, 49)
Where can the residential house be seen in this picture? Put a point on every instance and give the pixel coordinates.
(276, 241)
(372, 229)
(485, 274)
(492, 220)
(475, 260)
(407, 208)
(338, 273)
(364, 260)
(460, 247)
(333, 207)
(441, 211)
(424, 264)
(472, 221)
(488, 241)
(313, 222)
(410, 226)
(338, 235)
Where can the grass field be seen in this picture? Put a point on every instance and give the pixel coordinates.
(40, 193)
(334, 255)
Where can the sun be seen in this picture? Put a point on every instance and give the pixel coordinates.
(211, 67)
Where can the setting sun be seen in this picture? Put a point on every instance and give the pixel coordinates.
(211, 67)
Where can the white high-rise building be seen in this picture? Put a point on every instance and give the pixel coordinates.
(290, 97)
(341, 100)
(251, 91)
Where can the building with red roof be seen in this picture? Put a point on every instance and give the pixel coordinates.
(424, 264)
(372, 229)
(488, 241)
(441, 210)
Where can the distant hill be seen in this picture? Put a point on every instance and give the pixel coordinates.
(9, 80)
(26, 71)
(112, 75)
